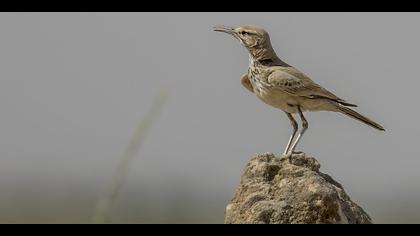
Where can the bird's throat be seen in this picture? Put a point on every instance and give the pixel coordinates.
(265, 55)
(269, 59)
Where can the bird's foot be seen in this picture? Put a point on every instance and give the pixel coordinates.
(292, 153)
(289, 154)
(297, 152)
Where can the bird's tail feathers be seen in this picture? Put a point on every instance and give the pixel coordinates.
(347, 104)
(355, 115)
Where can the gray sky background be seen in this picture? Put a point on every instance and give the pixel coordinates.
(74, 86)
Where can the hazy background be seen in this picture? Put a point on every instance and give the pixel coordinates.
(74, 86)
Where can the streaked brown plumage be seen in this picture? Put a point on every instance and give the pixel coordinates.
(282, 86)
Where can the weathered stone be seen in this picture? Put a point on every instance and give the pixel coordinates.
(290, 190)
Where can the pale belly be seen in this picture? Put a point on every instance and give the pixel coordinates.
(280, 100)
(288, 103)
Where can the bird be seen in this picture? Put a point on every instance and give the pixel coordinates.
(284, 87)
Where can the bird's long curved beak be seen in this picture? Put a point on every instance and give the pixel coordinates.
(224, 29)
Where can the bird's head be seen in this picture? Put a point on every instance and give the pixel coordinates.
(249, 36)
(255, 39)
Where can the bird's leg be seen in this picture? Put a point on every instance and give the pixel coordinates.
(305, 127)
(295, 128)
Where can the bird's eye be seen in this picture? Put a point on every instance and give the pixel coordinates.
(244, 33)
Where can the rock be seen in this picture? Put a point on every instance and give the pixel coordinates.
(289, 191)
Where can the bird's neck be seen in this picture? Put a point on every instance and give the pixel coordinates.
(265, 55)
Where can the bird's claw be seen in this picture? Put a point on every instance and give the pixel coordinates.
(288, 155)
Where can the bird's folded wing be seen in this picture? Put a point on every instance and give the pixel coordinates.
(296, 83)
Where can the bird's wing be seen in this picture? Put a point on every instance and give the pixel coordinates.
(246, 83)
(296, 83)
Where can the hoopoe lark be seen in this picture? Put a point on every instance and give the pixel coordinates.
(284, 87)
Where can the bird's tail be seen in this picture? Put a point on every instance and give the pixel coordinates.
(359, 117)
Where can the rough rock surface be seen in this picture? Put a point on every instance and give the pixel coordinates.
(290, 190)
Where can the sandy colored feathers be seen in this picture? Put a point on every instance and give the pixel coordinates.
(283, 86)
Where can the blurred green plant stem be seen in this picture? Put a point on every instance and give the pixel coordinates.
(105, 203)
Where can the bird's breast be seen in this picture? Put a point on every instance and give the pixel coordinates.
(259, 80)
